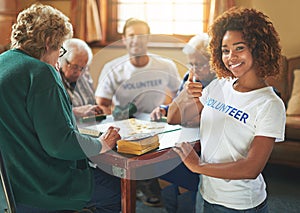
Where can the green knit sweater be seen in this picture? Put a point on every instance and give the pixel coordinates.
(45, 155)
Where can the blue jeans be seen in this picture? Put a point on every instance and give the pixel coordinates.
(174, 202)
(214, 208)
(106, 197)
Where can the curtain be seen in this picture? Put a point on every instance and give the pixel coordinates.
(214, 8)
(85, 18)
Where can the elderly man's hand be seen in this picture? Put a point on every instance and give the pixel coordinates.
(157, 114)
(87, 110)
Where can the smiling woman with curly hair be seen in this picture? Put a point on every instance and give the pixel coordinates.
(259, 34)
(241, 116)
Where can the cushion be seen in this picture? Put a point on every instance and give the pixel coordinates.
(292, 128)
(294, 102)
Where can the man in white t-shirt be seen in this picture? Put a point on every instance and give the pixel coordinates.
(138, 77)
(142, 79)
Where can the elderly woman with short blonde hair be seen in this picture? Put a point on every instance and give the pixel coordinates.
(45, 155)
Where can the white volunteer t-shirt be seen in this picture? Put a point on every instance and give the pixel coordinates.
(122, 82)
(229, 122)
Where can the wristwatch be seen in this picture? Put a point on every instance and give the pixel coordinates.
(165, 107)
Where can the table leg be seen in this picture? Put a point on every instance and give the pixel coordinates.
(128, 188)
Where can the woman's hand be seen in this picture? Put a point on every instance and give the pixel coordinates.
(188, 155)
(193, 89)
(109, 139)
(185, 109)
(190, 93)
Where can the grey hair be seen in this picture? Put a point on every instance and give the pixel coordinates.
(198, 43)
(78, 45)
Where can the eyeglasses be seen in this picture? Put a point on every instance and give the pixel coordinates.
(62, 51)
(197, 66)
(75, 66)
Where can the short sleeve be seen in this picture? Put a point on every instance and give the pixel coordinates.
(270, 120)
(104, 86)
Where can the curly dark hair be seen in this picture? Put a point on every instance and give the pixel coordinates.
(259, 34)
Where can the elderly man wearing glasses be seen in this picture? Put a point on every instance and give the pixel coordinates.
(76, 77)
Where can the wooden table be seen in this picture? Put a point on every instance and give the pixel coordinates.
(130, 168)
(127, 166)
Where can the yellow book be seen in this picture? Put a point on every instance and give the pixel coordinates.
(138, 144)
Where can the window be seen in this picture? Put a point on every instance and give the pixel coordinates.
(180, 18)
(100, 22)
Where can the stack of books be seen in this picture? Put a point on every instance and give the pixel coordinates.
(138, 144)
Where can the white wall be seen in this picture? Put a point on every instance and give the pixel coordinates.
(285, 17)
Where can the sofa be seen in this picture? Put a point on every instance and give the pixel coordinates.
(288, 85)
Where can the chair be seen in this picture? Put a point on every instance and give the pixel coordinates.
(9, 206)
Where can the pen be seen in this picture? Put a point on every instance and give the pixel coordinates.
(98, 117)
(171, 130)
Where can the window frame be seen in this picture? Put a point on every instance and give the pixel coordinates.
(112, 35)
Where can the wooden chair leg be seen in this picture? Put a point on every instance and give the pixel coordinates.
(7, 190)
